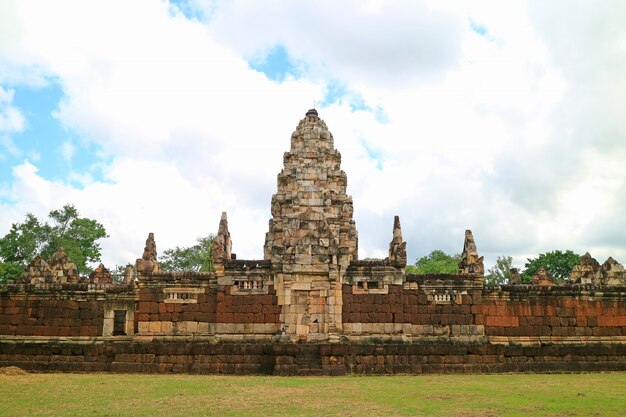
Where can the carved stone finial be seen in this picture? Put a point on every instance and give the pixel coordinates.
(100, 275)
(516, 278)
(613, 273)
(470, 262)
(542, 278)
(37, 272)
(397, 248)
(587, 271)
(63, 269)
(222, 244)
(148, 262)
(129, 275)
(149, 251)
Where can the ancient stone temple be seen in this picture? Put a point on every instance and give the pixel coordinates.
(310, 306)
(312, 236)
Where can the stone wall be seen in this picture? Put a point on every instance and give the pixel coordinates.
(310, 307)
(63, 310)
(198, 355)
(568, 313)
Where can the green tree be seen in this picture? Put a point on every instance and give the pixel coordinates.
(9, 270)
(78, 235)
(437, 262)
(556, 263)
(194, 258)
(500, 273)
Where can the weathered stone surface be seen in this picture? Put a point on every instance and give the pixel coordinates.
(311, 212)
(62, 268)
(100, 275)
(222, 245)
(612, 273)
(37, 272)
(363, 316)
(397, 247)
(470, 263)
(312, 236)
(129, 275)
(516, 278)
(542, 278)
(148, 261)
(587, 271)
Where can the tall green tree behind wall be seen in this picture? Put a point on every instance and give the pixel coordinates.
(79, 237)
(436, 262)
(193, 258)
(557, 264)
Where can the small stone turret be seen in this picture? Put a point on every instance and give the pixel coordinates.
(222, 247)
(542, 278)
(587, 271)
(63, 269)
(516, 278)
(397, 247)
(613, 273)
(129, 275)
(470, 262)
(100, 275)
(37, 272)
(148, 262)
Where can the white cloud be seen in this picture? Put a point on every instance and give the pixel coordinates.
(384, 43)
(516, 133)
(11, 121)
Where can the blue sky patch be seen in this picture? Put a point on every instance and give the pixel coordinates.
(481, 30)
(276, 64)
(373, 154)
(337, 92)
(191, 11)
(56, 151)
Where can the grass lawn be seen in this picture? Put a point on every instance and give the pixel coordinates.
(601, 394)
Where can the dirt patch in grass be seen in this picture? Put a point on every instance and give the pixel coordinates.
(12, 371)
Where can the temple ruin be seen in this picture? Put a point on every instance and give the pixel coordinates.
(310, 306)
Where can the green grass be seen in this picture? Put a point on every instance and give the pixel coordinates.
(601, 394)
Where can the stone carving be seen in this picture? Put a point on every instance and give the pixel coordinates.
(613, 273)
(397, 248)
(516, 278)
(470, 262)
(129, 275)
(541, 278)
(148, 262)
(222, 244)
(63, 269)
(587, 271)
(37, 272)
(100, 275)
(312, 237)
(311, 212)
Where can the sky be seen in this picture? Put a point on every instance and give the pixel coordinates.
(506, 118)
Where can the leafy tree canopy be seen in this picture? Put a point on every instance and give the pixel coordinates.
(78, 235)
(500, 273)
(194, 258)
(556, 263)
(9, 270)
(437, 262)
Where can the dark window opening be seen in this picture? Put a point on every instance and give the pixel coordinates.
(374, 285)
(119, 322)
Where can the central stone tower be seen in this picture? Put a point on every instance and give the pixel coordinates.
(312, 236)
